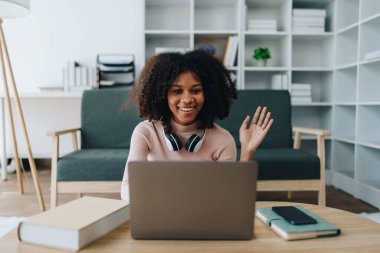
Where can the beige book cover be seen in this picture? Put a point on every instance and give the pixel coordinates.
(75, 224)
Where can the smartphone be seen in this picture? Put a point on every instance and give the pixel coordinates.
(293, 215)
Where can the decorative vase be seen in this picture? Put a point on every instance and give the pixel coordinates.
(263, 63)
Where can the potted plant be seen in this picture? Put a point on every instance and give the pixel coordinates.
(261, 54)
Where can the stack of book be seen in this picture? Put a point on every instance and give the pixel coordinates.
(230, 51)
(301, 93)
(262, 25)
(279, 82)
(372, 56)
(77, 77)
(309, 20)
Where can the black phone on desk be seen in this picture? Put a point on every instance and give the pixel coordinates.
(293, 215)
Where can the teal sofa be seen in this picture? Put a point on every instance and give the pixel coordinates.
(107, 125)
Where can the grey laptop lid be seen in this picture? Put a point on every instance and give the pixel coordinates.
(192, 200)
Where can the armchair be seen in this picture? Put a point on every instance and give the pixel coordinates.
(282, 165)
(105, 132)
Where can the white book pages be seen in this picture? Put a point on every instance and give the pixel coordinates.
(227, 51)
(276, 82)
(308, 19)
(284, 82)
(234, 51)
(78, 79)
(310, 12)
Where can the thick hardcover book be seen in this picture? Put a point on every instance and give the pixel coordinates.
(75, 224)
(296, 232)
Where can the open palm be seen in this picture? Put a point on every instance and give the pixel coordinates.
(251, 134)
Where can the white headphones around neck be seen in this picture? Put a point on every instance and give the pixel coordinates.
(193, 144)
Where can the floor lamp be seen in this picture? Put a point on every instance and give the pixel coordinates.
(12, 9)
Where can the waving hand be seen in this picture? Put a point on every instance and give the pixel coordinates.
(252, 133)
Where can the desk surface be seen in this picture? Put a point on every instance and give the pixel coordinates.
(358, 234)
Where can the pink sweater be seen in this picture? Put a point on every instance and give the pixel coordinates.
(148, 143)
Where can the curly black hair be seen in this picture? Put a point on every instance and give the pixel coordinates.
(160, 72)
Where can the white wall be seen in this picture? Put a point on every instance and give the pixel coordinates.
(60, 30)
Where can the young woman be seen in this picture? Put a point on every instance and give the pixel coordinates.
(181, 95)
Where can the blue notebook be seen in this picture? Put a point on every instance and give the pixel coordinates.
(296, 232)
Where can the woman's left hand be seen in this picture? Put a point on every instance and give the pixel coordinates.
(251, 134)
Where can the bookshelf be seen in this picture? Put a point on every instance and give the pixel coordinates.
(344, 86)
(356, 100)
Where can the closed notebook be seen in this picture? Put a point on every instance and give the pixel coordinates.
(295, 232)
(74, 224)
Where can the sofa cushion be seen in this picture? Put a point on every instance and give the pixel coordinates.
(287, 163)
(278, 103)
(93, 165)
(105, 123)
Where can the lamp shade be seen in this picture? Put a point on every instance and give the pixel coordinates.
(14, 8)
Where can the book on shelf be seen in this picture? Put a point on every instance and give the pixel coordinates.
(372, 55)
(71, 74)
(230, 51)
(75, 224)
(279, 82)
(309, 12)
(288, 231)
(308, 24)
(257, 25)
(301, 93)
(76, 75)
(262, 30)
(308, 20)
(301, 86)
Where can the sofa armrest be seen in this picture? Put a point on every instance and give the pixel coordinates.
(321, 134)
(56, 134)
(314, 131)
(63, 131)
(54, 158)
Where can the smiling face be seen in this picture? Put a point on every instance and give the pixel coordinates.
(186, 98)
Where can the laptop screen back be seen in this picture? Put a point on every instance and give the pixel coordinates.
(192, 200)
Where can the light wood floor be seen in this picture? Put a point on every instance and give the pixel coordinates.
(14, 204)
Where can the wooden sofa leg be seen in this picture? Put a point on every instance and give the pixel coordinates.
(322, 159)
(53, 180)
(53, 191)
(290, 195)
(322, 196)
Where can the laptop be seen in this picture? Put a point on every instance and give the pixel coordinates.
(192, 200)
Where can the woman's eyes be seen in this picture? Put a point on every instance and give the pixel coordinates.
(193, 91)
(177, 91)
(197, 91)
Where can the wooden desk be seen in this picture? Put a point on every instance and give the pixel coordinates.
(358, 234)
(43, 112)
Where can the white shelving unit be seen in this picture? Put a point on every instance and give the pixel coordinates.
(356, 99)
(345, 88)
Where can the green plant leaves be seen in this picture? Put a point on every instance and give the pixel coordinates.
(261, 53)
